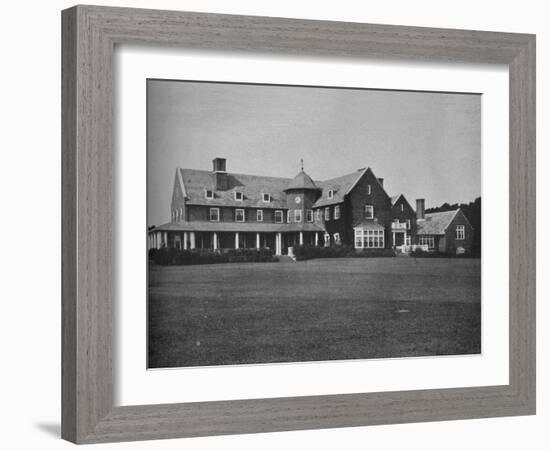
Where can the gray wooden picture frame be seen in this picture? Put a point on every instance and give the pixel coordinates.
(89, 37)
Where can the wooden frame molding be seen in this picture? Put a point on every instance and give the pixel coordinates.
(89, 37)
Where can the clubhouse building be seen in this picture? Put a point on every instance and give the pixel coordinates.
(219, 210)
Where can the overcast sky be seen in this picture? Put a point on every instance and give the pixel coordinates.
(424, 145)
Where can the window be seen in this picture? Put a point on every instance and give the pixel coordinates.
(327, 214)
(330, 194)
(318, 214)
(369, 238)
(309, 215)
(427, 240)
(260, 215)
(297, 215)
(181, 213)
(327, 239)
(369, 189)
(408, 224)
(214, 214)
(278, 216)
(209, 194)
(238, 195)
(336, 212)
(369, 212)
(239, 215)
(402, 206)
(266, 198)
(288, 216)
(460, 231)
(336, 237)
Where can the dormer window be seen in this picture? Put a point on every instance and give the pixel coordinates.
(238, 195)
(266, 197)
(209, 194)
(331, 194)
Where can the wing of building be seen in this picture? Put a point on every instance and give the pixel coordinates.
(217, 209)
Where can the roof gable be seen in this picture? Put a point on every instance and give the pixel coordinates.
(341, 186)
(436, 223)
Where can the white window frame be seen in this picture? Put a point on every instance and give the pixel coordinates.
(330, 194)
(237, 215)
(371, 214)
(309, 215)
(460, 232)
(327, 239)
(279, 217)
(327, 213)
(297, 215)
(336, 237)
(288, 216)
(365, 238)
(238, 193)
(318, 214)
(427, 240)
(402, 207)
(210, 211)
(369, 189)
(259, 215)
(209, 197)
(337, 212)
(264, 194)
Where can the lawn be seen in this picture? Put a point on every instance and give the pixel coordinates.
(325, 309)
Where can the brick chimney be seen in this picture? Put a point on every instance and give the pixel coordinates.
(220, 175)
(419, 208)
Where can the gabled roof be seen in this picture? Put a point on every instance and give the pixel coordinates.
(394, 199)
(436, 223)
(302, 181)
(341, 187)
(252, 186)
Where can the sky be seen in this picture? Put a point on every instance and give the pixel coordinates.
(424, 144)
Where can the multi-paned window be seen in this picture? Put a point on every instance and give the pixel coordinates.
(309, 215)
(209, 194)
(369, 238)
(266, 198)
(369, 212)
(278, 216)
(214, 214)
(327, 213)
(297, 215)
(460, 231)
(239, 195)
(259, 215)
(239, 215)
(336, 212)
(427, 240)
(318, 214)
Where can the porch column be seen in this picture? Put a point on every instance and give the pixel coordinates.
(301, 238)
(257, 240)
(159, 239)
(185, 240)
(166, 239)
(236, 239)
(215, 240)
(192, 239)
(316, 239)
(393, 236)
(278, 244)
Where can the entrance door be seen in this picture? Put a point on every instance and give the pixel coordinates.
(399, 239)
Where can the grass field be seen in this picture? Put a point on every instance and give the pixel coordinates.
(325, 309)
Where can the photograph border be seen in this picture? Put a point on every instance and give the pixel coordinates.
(89, 37)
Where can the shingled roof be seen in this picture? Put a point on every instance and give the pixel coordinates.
(340, 186)
(436, 223)
(302, 181)
(252, 186)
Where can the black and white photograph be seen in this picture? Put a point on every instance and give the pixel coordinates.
(290, 224)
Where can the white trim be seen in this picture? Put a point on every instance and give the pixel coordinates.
(210, 210)
(312, 215)
(282, 216)
(268, 197)
(371, 211)
(238, 199)
(259, 215)
(336, 212)
(327, 214)
(236, 215)
(330, 194)
(206, 191)
(298, 215)
(462, 229)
